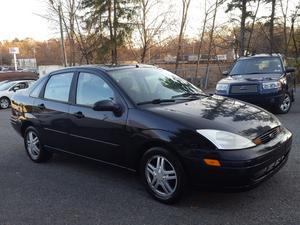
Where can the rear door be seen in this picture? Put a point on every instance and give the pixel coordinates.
(52, 110)
(99, 135)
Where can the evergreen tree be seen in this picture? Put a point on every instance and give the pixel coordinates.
(111, 19)
(245, 13)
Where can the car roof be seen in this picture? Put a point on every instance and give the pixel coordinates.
(275, 55)
(105, 68)
(18, 81)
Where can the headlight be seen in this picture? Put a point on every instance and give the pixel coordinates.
(222, 87)
(226, 140)
(272, 85)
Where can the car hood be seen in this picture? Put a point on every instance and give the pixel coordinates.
(221, 113)
(251, 77)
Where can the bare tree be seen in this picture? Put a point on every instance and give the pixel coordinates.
(271, 27)
(185, 9)
(211, 36)
(207, 11)
(152, 21)
(284, 10)
(294, 16)
(66, 11)
(252, 25)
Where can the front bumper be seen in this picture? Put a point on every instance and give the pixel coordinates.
(240, 168)
(261, 99)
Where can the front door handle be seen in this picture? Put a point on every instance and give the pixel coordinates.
(78, 115)
(41, 106)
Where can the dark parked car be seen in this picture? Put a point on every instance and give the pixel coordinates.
(263, 80)
(149, 120)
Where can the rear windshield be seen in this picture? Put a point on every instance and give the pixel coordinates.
(265, 65)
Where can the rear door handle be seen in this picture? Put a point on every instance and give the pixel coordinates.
(79, 115)
(41, 106)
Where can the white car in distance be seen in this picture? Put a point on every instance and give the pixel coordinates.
(8, 88)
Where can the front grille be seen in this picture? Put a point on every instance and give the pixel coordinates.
(271, 167)
(271, 134)
(239, 89)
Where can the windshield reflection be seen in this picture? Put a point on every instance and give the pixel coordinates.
(148, 84)
(264, 65)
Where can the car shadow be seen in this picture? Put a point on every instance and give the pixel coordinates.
(110, 176)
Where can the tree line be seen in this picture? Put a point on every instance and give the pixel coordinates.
(112, 31)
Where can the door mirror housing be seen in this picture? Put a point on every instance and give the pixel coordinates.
(15, 88)
(108, 105)
(290, 70)
(225, 73)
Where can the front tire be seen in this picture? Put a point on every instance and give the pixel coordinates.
(34, 146)
(285, 104)
(4, 103)
(162, 174)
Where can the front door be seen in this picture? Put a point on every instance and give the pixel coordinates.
(95, 134)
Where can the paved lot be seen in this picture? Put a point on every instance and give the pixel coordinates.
(73, 191)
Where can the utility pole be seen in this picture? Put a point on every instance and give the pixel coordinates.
(63, 52)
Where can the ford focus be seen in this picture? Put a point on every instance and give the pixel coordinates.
(148, 120)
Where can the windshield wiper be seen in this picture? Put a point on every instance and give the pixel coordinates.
(156, 101)
(253, 73)
(189, 94)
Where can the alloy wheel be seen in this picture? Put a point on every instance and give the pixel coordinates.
(161, 176)
(4, 103)
(33, 145)
(286, 103)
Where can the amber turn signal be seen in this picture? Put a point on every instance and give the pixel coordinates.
(212, 162)
(257, 141)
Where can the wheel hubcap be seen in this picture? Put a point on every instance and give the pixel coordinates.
(33, 145)
(161, 176)
(285, 105)
(4, 103)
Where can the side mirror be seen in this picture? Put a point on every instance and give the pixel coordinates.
(290, 70)
(15, 88)
(108, 105)
(225, 73)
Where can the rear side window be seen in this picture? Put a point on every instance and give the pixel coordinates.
(91, 89)
(58, 87)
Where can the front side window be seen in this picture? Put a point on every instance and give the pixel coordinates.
(264, 65)
(21, 85)
(91, 89)
(35, 88)
(58, 87)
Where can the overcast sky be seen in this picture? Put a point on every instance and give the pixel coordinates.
(19, 19)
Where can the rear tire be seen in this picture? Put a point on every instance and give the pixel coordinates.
(163, 175)
(34, 146)
(4, 103)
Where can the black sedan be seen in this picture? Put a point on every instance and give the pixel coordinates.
(149, 120)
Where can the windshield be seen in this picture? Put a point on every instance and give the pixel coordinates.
(2, 82)
(265, 65)
(148, 84)
(6, 86)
